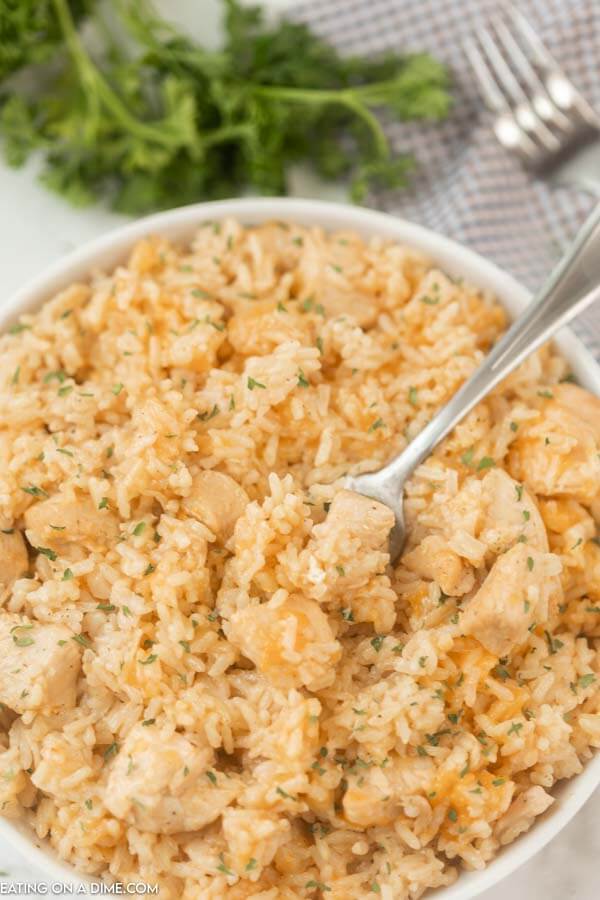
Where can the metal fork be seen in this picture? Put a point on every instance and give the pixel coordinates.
(538, 113)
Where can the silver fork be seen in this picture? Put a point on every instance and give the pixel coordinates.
(571, 288)
(538, 113)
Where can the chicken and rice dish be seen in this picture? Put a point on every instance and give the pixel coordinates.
(210, 676)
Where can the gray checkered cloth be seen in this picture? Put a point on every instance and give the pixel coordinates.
(467, 186)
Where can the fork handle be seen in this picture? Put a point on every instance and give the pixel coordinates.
(583, 171)
(573, 285)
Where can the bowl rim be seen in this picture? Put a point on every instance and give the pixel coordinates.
(177, 224)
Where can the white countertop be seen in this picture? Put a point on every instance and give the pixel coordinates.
(37, 227)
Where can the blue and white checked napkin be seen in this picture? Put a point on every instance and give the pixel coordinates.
(467, 186)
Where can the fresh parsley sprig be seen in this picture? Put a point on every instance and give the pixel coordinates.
(169, 122)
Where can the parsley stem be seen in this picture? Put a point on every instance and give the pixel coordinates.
(97, 89)
(344, 97)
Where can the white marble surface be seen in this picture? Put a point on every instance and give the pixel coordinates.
(36, 228)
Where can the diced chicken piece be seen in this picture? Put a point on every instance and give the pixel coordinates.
(39, 665)
(519, 589)
(13, 557)
(522, 812)
(350, 302)
(354, 517)
(291, 643)
(560, 514)
(70, 518)
(510, 513)
(347, 551)
(60, 758)
(435, 560)
(162, 786)
(580, 402)
(217, 500)
(258, 327)
(371, 802)
(558, 454)
(463, 512)
(254, 834)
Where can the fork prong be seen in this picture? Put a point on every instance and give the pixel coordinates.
(524, 112)
(536, 48)
(544, 59)
(507, 129)
(541, 101)
(492, 95)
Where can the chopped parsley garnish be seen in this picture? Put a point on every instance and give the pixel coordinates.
(378, 423)
(302, 380)
(554, 644)
(285, 794)
(253, 383)
(81, 639)
(59, 376)
(35, 491)
(46, 551)
(111, 750)
(22, 640)
(467, 457)
(377, 642)
(209, 414)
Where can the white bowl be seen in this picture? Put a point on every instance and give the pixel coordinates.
(179, 224)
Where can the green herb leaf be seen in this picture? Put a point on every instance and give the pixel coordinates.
(167, 122)
(252, 383)
(45, 551)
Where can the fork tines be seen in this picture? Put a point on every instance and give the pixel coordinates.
(539, 113)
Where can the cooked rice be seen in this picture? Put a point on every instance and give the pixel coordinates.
(211, 677)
